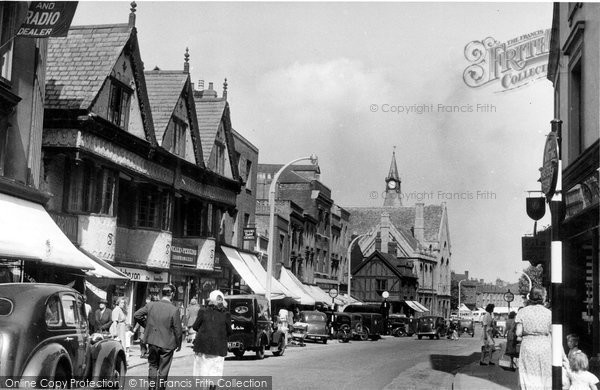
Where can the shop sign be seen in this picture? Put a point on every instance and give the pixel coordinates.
(535, 249)
(582, 196)
(549, 169)
(183, 254)
(142, 275)
(249, 234)
(48, 19)
(206, 260)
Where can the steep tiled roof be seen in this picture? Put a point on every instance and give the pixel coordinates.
(209, 111)
(363, 219)
(79, 63)
(164, 89)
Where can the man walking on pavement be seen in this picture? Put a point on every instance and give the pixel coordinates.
(163, 333)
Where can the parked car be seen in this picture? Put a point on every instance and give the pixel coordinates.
(317, 325)
(466, 326)
(44, 337)
(432, 326)
(373, 325)
(252, 327)
(400, 325)
(350, 323)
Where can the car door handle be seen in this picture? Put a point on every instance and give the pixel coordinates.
(69, 339)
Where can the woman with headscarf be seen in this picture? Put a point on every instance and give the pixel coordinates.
(213, 327)
(534, 323)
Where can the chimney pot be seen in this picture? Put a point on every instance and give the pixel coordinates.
(210, 86)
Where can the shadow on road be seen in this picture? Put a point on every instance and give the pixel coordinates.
(452, 363)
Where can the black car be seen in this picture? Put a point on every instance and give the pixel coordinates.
(432, 326)
(252, 327)
(466, 326)
(44, 339)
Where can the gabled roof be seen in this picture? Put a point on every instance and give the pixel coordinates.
(397, 266)
(164, 89)
(210, 111)
(364, 219)
(79, 63)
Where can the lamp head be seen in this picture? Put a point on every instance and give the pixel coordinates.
(314, 160)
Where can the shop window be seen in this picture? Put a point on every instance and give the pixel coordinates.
(6, 40)
(91, 190)
(193, 218)
(576, 139)
(118, 106)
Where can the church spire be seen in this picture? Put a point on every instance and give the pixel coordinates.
(393, 174)
(393, 193)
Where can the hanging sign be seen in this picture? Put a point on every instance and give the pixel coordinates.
(549, 169)
(48, 19)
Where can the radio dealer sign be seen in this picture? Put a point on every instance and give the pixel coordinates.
(48, 19)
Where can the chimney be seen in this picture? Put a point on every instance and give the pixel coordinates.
(186, 62)
(132, 15)
(385, 232)
(467, 275)
(419, 222)
(200, 85)
(225, 89)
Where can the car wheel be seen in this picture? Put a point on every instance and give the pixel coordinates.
(260, 352)
(364, 335)
(238, 353)
(280, 347)
(61, 375)
(119, 374)
(324, 339)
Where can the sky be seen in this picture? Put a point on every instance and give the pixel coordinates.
(352, 82)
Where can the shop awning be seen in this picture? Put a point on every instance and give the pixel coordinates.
(102, 269)
(416, 306)
(101, 294)
(321, 296)
(278, 291)
(291, 282)
(28, 232)
(243, 270)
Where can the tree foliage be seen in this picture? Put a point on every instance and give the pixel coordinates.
(536, 275)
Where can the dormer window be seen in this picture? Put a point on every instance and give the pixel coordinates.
(118, 106)
(179, 128)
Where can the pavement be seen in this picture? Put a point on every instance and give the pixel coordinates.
(469, 377)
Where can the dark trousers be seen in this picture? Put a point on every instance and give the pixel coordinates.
(159, 364)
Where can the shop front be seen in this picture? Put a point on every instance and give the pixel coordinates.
(142, 283)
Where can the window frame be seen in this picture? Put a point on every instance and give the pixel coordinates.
(124, 93)
(7, 30)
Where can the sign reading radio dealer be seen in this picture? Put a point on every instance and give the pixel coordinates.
(549, 169)
(183, 254)
(48, 19)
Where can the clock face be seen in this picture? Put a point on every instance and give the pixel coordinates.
(391, 184)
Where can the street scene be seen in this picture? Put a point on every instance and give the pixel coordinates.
(301, 195)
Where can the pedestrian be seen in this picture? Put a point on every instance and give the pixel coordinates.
(119, 318)
(573, 344)
(140, 329)
(103, 317)
(581, 378)
(511, 340)
(162, 323)
(534, 322)
(213, 327)
(89, 315)
(488, 344)
(191, 315)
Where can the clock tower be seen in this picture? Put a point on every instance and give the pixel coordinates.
(393, 194)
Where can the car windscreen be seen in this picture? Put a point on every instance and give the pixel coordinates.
(313, 317)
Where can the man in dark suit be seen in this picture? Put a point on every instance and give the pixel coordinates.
(163, 334)
(102, 317)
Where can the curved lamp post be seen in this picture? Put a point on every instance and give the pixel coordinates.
(271, 248)
(348, 257)
(528, 279)
(459, 282)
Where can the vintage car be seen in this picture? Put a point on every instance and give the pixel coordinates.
(373, 325)
(432, 326)
(465, 326)
(317, 325)
(44, 339)
(252, 327)
(348, 326)
(400, 325)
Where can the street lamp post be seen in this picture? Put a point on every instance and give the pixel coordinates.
(349, 255)
(459, 282)
(271, 247)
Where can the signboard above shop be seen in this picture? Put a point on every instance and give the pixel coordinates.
(183, 254)
(249, 234)
(48, 19)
